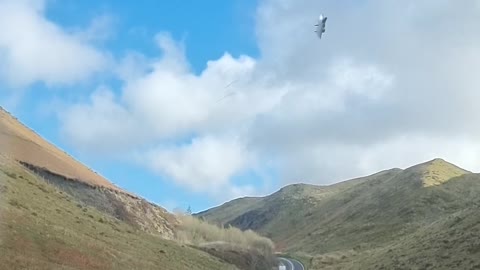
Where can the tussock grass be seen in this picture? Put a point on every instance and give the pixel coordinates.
(200, 233)
(245, 249)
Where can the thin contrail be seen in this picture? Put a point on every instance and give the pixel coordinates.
(230, 83)
(229, 94)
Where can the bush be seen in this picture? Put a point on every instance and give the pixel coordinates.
(200, 233)
(11, 175)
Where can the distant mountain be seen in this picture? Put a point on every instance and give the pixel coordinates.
(420, 216)
(283, 210)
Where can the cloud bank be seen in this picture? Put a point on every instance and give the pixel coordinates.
(34, 49)
(389, 85)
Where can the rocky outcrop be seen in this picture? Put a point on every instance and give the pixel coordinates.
(121, 205)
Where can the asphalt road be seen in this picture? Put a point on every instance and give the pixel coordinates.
(290, 264)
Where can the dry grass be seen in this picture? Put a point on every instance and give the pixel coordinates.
(197, 232)
(42, 227)
(19, 142)
(244, 249)
(437, 172)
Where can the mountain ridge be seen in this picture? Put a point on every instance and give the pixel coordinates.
(367, 216)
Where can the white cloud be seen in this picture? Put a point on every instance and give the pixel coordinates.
(163, 101)
(390, 84)
(167, 100)
(103, 117)
(101, 29)
(206, 165)
(34, 49)
(327, 163)
(411, 73)
(132, 66)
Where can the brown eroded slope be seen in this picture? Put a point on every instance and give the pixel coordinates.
(21, 143)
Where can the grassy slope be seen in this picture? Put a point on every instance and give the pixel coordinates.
(43, 228)
(379, 211)
(21, 143)
(18, 142)
(229, 210)
(281, 215)
(450, 242)
(400, 216)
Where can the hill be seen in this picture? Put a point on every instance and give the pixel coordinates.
(20, 144)
(284, 210)
(55, 213)
(420, 217)
(42, 227)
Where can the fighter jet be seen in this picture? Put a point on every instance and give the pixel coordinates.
(320, 25)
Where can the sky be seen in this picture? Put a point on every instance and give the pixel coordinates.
(196, 103)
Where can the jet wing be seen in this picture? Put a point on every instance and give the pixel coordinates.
(319, 30)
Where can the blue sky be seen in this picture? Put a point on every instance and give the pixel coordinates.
(208, 29)
(132, 90)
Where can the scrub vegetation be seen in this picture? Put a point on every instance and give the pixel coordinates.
(246, 249)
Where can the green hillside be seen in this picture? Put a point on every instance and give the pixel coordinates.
(42, 227)
(411, 216)
(280, 214)
(56, 213)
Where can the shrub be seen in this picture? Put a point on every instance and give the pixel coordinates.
(200, 233)
(11, 175)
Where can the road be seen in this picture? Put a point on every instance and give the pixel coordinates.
(290, 264)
